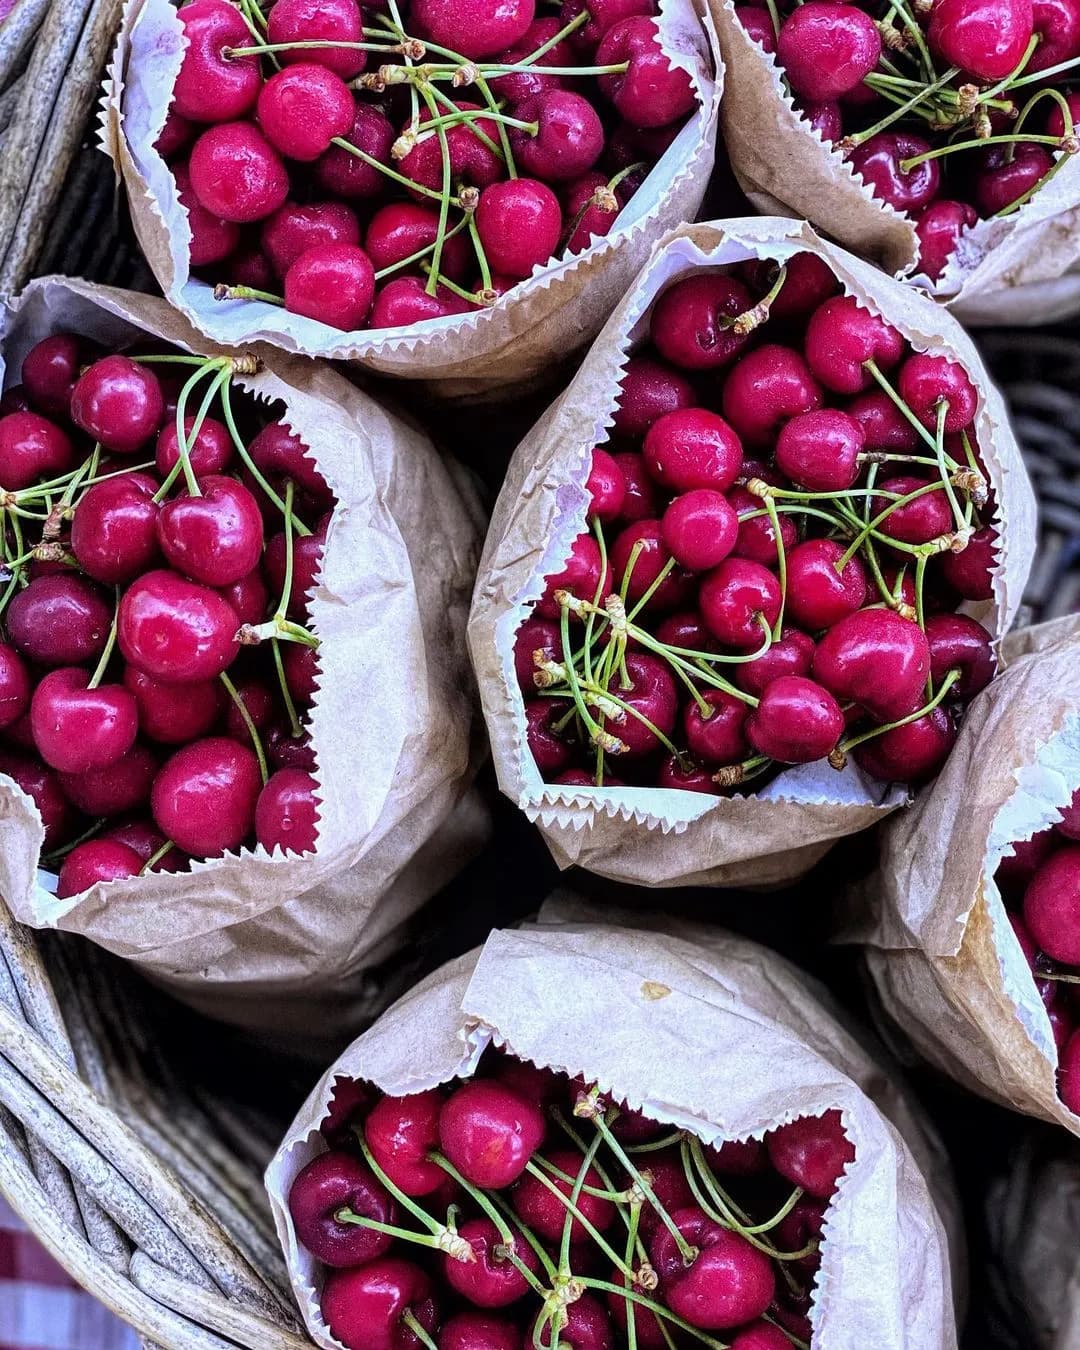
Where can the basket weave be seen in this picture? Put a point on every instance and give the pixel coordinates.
(128, 1139)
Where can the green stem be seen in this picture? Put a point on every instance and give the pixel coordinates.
(253, 731)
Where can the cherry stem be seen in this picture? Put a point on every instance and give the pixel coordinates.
(223, 291)
(921, 95)
(107, 651)
(185, 441)
(406, 1201)
(658, 1309)
(434, 1241)
(421, 253)
(444, 204)
(600, 1192)
(241, 449)
(1046, 74)
(153, 860)
(408, 1320)
(573, 1212)
(296, 731)
(977, 144)
(388, 172)
(946, 684)
(253, 732)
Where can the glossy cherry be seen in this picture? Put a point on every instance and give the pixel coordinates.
(333, 284)
(302, 108)
(176, 630)
(819, 451)
(519, 223)
(958, 642)
(216, 537)
(489, 1133)
(756, 539)
(116, 788)
(294, 229)
(880, 162)
(693, 448)
(50, 371)
(401, 1133)
(720, 737)
(31, 448)
(639, 556)
(209, 451)
(173, 714)
(796, 721)
(15, 687)
(569, 136)
(341, 21)
(647, 390)
(1069, 1073)
(478, 1331)
(875, 658)
(927, 516)
(213, 86)
(939, 228)
(910, 753)
(652, 91)
(42, 785)
(1052, 905)
(841, 337)
(76, 728)
(819, 595)
(582, 577)
(204, 796)
(793, 654)
(606, 486)
(826, 49)
(492, 1280)
(547, 744)
(1005, 180)
(985, 38)
(926, 381)
(341, 173)
(692, 321)
(330, 1183)
(212, 239)
(236, 173)
(119, 403)
(59, 620)
(287, 812)
(884, 426)
(365, 1307)
(700, 529)
(767, 387)
(970, 573)
(812, 1152)
(728, 1282)
(114, 532)
(587, 1328)
(96, 861)
(738, 600)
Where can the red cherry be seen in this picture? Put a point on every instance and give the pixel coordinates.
(545, 1214)
(50, 371)
(739, 1157)
(918, 521)
(31, 448)
(766, 388)
(212, 239)
(926, 381)
(14, 686)
(294, 229)
(302, 671)
(59, 620)
(237, 174)
(401, 1132)
(756, 539)
(818, 595)
(491, 1280)
(76, 728)
(686, 630)
(603, 15)
(535, 635)
(719, 738)
(796, 722)
(204, 797)
(213, 86)
(173, 713)
(884, 426)
(342, 174)
(792, 655)
(581, 577)
(474, 28)
(328, 1184)
(548, 747)
(879, 161)
(121, 786)
(1057, 22)
(249, 599)
(1002, 182)
(489, 1133)
(819, 451)
(688, 321)
(286, 815)
(728, 1282)
(526, 83)
(970, 572)
(176, 135)
(761, 1336)
(985, 38)
(825, 117)
(476, 1331)
(96, 861)
(700, 529)
(1055, 125)
(587, 1328)
(278, 451)
(400, 229)
(812, 1152)
(215, 538)
(42, 785)
(175, 630)
(113, 534)
(809, 282)
(960, 643)
(293, 21)
(693, 448)
(841, 337)
(590, 203)
(758, 25)
(519, 223)
(472, 162)
(405, 301)
(640, 501)
(827, 49)
(640, 555)
(606, 487)
(648, 1329)
(364, 1307)
(333, 284)
(653, 695)
(569, 138)
(734, 600)
(302, 108)
(209, 452)
(258, 702)
(649, 389)
(911, 753)
(651, 92)
(939, 228)
(118, 403)
(875, 658)
(1052, 905)
(307, 560)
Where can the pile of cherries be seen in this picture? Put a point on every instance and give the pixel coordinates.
(1040, 883)
(415, 159)
(949, 110)
(154, 564)
(775, 582)
(523, 1210)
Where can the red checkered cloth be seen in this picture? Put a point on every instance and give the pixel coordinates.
(41, 1307)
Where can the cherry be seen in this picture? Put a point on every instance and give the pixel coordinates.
(212, 239)
(50, 372)
(14, 686)
(1055, 125)
(519, 222)
(236, 173)
(173, 713)
(1069, 824)
(587, 1328)
(286, 815)
(113, 534)
(681, 775)
(739, 1157)
(333, 284)
(278, 451)
(818, 595)
(293, 21)
(176, 135)
(1052, 905)
(808, 283)
(349, 1099)
(758, 25)
(761, 1336)
(489, 1133)
(719, 738)
(475, 28)
(119, 403)
(825, 118)
(1004, 180)
(918, 521)
(535, 635)
(583, 577)
(685, 629)
(911, 753)
(766, 388)
(258, 702)
(793, 654)
(569, 138)
(648, 1328)
(588, 202)
(603, 15)
(728, 1282)
(405, 301)
(756, 539)
(1057, 23)
(547, 746)
(606, 487)
(210, 451)
(294, 229)
(879, 161)
(640, 501)
(286, 751)
(401, 1132)
(926, 381)
(812, 1152)
(491, 1280)
(639, 555)
(213, 86)
(700, 528)
(1018, 867)
(215, 538)
(59, 620)
(204, 797)
(939, 228)
(545, 1214)
(970, 573)
(96, 861)
(875, 658)
(796, 721)
(735, 598)
(475, 1331)
(175, 630)
(827, 49)
(841, 337)
(302, 108)
(472, 162)
(819, 451)
(647, 391)
(342, 174)
(120, 786)
(365, 1307)
(693, 448)
(960, 643)
(1069, 1073)
(651, 92)
(526, 83)
(249, 599)
(76, 728)
(302, 671)
(31, 448)
(653, 695)
(688, 321)
(985, 38)
(42, 785)
(330, 1183)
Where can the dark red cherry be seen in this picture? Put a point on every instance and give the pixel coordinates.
(176, 630)
(652, 91)
(50, 372)
(960, 643)
(210, 451)
(364, 1307)
(791, 655)
(796, 721)
(841, 337)
(818, 595)
(719, 737)
(970, 572)
(647, 390)
(693, 448)
(1004, 181)
(766, 388)
(491, 1280)
(911, 753)
(215, 538)
(42, 785)
(204, 796)
(114, 532)
(59, 620)
(739, 601)
(939, 228)
(329, 1184)
(875, 658)
(76, 728)
(688, 325)
(15, 686)
(827, 49)
(819, 451)
(278, 451)
(31, 448)
(174, 714)
(303, 108)
(119, 403)
(881, 162)
(812, 1152)
(96, 861)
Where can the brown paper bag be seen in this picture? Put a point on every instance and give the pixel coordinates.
(276, 941)
(707, 1032)
(1023, 268)
(664, 837)
(518, 340)
(945, 959)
